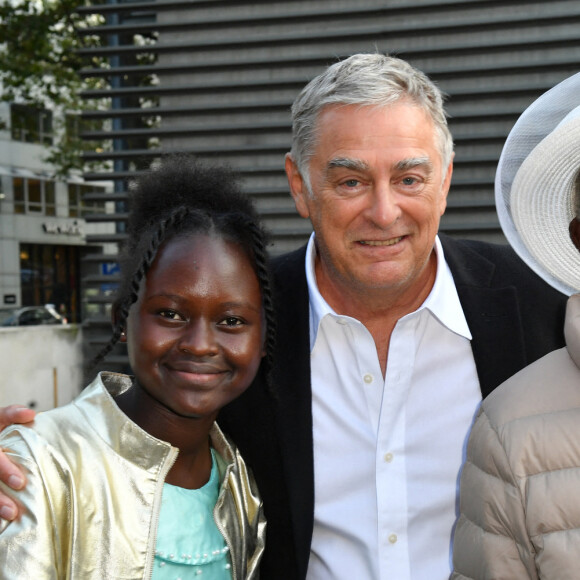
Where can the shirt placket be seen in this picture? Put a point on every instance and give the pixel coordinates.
(391, 468)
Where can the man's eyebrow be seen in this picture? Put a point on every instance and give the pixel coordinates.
(411, 163)
(359, 165)
(347, 163)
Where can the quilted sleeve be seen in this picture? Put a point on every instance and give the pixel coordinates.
(491, 541)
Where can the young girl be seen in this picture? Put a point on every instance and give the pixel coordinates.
(134, 478)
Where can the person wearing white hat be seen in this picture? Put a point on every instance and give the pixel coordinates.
(519, 494)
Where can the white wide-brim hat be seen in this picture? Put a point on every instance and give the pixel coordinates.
(536, 184)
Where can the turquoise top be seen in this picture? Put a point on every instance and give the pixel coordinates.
(189, 544)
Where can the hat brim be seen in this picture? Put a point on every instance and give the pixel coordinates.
(542, 205)
(536, 182)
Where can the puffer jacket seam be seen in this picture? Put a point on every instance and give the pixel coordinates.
(512, 482)
(539, 413)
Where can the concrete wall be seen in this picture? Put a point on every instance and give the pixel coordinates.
(40, 366)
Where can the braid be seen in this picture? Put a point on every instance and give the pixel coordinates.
(107, 348)
(123, 306)
(159, 236)
(263, 272)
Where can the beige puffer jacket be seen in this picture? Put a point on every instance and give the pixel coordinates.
(520, 487)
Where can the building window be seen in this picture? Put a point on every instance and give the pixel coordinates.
(31, 124)
(77, 205)
(34, 196)
(74, 125)
(51, 275)
(49, 198)
(18, 185)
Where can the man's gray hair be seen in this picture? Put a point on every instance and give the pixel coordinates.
(366, 80)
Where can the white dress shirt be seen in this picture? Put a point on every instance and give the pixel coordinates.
(387, 453)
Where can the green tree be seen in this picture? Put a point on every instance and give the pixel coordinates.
(39, 66)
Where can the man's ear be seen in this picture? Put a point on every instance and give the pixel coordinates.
(298, 188)
(574, 229)
(446, 185)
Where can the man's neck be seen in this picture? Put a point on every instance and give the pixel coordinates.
(379, 309)
(365, 303)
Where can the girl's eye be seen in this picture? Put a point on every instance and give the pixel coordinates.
(170, 314)
(231, 321)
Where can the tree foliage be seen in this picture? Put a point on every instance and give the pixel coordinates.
(39, 65)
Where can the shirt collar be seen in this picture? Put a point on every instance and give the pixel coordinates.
(319, 308)
(443, 300)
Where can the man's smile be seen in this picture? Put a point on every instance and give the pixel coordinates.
(390, 242)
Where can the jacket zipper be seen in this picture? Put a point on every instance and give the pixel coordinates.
(168, 464)
(220, 527)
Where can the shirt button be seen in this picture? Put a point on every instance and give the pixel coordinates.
(388, 457)
(393, 538)
(368, 378)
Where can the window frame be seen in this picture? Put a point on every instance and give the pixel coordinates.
(31, 124)
(22, 204)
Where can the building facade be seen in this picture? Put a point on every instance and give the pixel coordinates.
(216, 78)
(43, 230)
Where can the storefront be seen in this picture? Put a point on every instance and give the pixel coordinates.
(50, 274)
(43, 241)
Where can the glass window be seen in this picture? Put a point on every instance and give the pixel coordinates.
(31, 125)
(77, 205)
(34, 196)
(18, 123)
(45, 119)
(19, 197)
(73, 202)
(49, 198)
(72, 124)
(50, 274)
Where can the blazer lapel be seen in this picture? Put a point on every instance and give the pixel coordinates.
(492, 314)
(291, 381)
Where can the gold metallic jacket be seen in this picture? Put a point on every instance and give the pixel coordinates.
(95, 481)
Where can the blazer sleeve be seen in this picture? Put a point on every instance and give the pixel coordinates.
(29, 545)
(491, 541)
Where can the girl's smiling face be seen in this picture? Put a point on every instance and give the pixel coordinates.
(195, 334)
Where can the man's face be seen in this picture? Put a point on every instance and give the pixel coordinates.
(378, 192)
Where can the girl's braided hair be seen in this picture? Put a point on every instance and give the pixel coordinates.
(182, 197)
